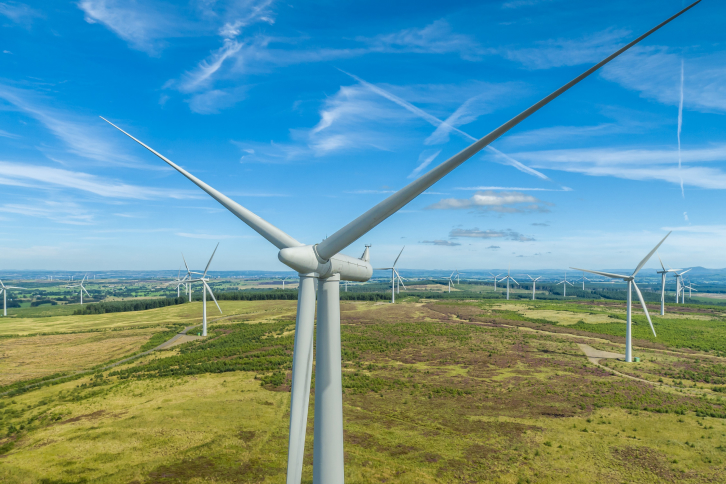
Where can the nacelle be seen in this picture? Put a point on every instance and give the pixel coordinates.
(304, 259)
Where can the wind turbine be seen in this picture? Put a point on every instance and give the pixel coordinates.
(495, 281)
(679, 284)
(4, 290)
(534, 284)
(663, 274)
(631, 284)
(394, 273)
(82, 288)
(583, 280)
(508, 278)
(324, 262)
(205, 287)
(189, 275)
(564, 283)
(690, 288)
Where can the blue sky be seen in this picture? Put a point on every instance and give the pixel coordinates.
(310, 113)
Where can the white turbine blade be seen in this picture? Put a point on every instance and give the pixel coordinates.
(568, 282)
(661, 264)
(84, 290)
(15, 287)
(1, 284)
(642, 263)
(277, 237)
(399, 255)
(185, 264)
(383, 269)
(212, 294)
(364, 223)
(642, 302)
(514, 281)
(530, 277)
(210, 260)
(540, 277)
(606, 274)
(685, 271)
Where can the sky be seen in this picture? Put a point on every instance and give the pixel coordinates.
(308, 114)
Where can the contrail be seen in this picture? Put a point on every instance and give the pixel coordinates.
(680, 125)
(436, 122)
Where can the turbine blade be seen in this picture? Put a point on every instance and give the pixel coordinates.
(642, 263)
(606, 274)
(642, 302)
(185, 264)
(364, 223)
(212, 294)
(84, 290)
(661, 263)
(685, 271)
(277, 237)
(399, 255)
(514, 281)
(210, 260)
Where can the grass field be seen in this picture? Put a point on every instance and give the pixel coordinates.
(434, 392)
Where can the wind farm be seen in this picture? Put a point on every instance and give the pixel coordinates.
(307, 157)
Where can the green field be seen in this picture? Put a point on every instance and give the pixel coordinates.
(456, 391)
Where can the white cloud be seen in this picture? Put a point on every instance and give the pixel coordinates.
(66, 212)
(214, 101)
(445, 243)
(201, 77)
(506, 234)
(637, 164)
(19, 13)
(83, 136)
(655, 73)
(424, 160)
(206, 236)
(491, 201)
(43, 177)
(143, 26)
(566, 52)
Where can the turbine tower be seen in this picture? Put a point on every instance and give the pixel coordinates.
(4, 290)
(394, 273)
(534, 284)
(324, 262)
(631, 284)
(564, 283)
(82, 288)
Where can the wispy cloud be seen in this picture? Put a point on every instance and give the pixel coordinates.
(65, 212)
(19, 13)
(424, 160)
(521, 189)
(464, 115)
(514, 4)
(206, 236)
(83, 136)
(144, 27)
(44, 177)
(491, 201)
(506, 234)
(446, 243)
(568, 52)
(637, 164)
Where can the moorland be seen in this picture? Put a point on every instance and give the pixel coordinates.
(452, 390)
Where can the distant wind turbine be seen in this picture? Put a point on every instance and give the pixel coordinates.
(205, 287)
(508, 278)
(631, 284)
(663, 274)
(495, 280)
(679, 284)
(534, 284)
(82, 288)
(583, 280)
(394, 273)
(4, 290)
(564, 283)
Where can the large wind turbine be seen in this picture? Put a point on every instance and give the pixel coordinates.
(205, 287)
(82, 288)
(534, 284)
(324, 262)
(564, 283)
(631, 284)
(4, 290)
(394, 273)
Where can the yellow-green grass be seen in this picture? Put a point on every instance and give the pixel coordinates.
(40, 356)
(186, 314)
(432, 395)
